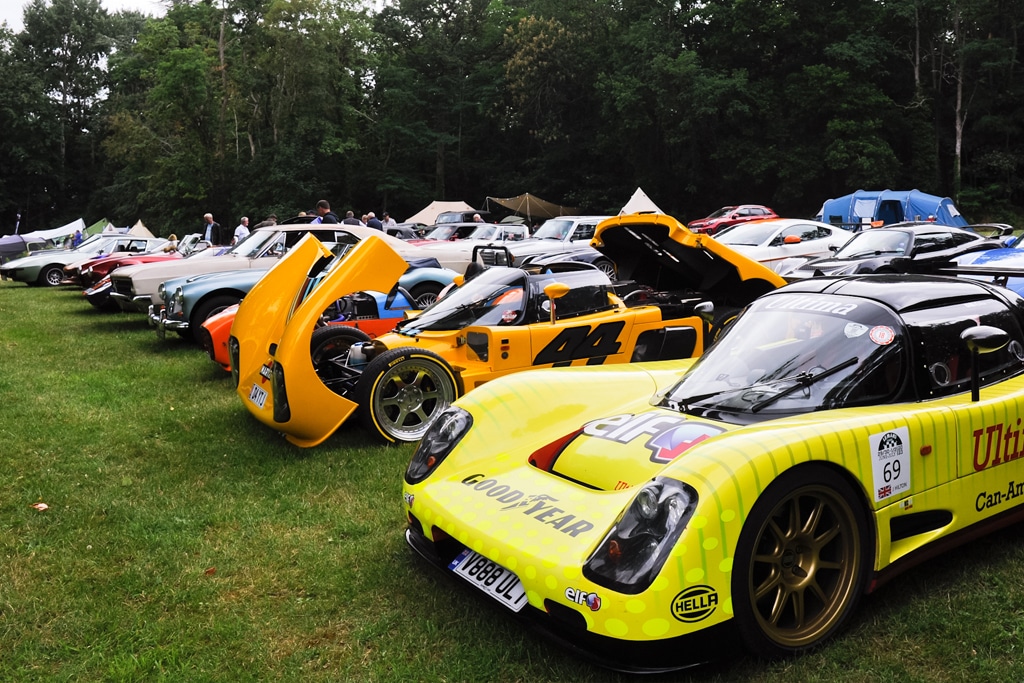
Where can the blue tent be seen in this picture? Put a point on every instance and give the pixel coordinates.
(889, 206)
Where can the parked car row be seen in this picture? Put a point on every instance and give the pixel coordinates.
(661, 461)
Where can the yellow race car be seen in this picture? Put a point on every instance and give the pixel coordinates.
(305, 382)
(657, 515)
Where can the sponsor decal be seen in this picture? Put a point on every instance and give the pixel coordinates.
(1002, 445)
(883, 335)
(409, 498)
(819, 304)
(987, 500)
(540, 507)
(694, 604)
(580, 597)
(890, 462)
(670, 435)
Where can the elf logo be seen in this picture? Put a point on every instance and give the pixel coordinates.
(670, 435)
(580, 597)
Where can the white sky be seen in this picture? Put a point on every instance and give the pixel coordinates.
(11, 10)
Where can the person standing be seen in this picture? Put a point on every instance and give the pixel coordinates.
(387, 221)
(350, 218)
(324, 213)
(373, 222)
(212, 231)
(241, 231)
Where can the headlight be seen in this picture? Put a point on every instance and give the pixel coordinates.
(639, 542)
(161, 291)
(441, 438)
(176, 304)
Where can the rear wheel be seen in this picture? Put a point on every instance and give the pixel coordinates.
(328, 350)
(402, 391)
(801, 562)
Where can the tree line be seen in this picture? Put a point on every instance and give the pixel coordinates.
(252, 107)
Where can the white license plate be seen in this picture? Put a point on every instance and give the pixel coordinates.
(258, 395)
(491, 578)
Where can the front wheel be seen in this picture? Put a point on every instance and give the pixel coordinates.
(606, 267)
(801, 562)
(51, 276)
(207, 309)
(401, 392)
(425, 294)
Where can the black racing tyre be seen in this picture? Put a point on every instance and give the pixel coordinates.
(51, 276)
(802, 562)
(606, 267)
(425, 294)
(328, 350)
(209, 307)
(402, 390)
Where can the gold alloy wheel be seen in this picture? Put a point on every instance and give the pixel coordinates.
(804, 571)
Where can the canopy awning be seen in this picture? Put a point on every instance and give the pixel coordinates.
(533, 207)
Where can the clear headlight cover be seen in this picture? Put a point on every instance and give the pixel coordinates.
(636, 547)
(442, 436)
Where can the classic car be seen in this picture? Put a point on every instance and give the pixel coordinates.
(87, 274)
(783, 244)
(731, 215)
(46, 267)
(136, 288)
(898, 248)
(191, 300)
(661, 514)
(501, 321)
(561, 235)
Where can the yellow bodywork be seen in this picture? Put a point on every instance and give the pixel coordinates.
(972, 477)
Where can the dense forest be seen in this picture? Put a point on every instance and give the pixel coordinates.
(258, 106)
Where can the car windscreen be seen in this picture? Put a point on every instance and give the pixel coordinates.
(752, 234)
(792, 353)
(877, 242)
(494, 297)
(553, 229)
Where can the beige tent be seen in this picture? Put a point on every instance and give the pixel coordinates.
(140, 229)
(533, 207)
(428, 215)
(640, 203)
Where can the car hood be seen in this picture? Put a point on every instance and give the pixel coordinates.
(659, 251)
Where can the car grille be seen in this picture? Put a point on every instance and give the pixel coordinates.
(122, 286)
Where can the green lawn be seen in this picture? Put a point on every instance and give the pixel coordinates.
(184, 541)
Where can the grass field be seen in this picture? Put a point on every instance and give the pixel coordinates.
(184, 541)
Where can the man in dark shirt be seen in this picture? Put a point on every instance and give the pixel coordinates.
(350, 219)
(373, 222)
(323, 211)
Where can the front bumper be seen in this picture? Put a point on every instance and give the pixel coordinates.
(159, 320)
(568, 629)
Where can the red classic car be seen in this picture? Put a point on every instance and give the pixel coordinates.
(731, 215)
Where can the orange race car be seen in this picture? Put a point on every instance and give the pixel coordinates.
(678, 287)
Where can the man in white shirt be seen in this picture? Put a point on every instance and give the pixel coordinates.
(242, 231)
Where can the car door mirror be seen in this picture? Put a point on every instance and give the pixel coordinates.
(792, 239)
(979, 340)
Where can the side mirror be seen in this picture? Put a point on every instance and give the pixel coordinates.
(791, 239)
(459, 280)
(554, 291)
(982, 339)
(706, 310)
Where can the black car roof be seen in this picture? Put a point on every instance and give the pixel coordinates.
(903, 292)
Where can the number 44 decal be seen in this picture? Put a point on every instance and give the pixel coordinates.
(574, 343)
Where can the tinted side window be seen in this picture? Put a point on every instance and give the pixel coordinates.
(584, 231)
(942, 363)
